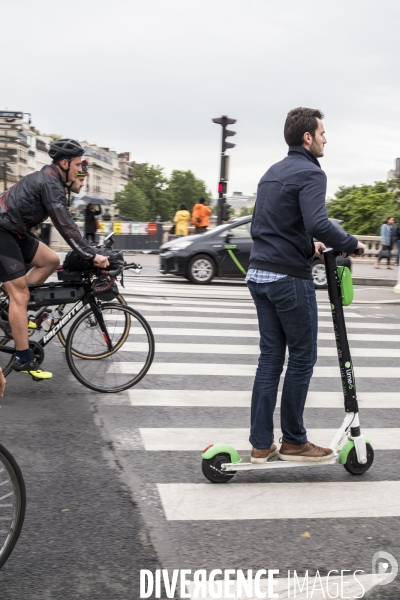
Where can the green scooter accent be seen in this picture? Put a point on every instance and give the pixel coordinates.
(218, 449)
(346, 285)
(346, 449)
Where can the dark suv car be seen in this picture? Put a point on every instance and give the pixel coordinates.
(221, 252)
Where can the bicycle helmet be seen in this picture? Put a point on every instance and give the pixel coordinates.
(65, 148)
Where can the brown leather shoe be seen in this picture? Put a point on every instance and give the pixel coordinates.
(307, 452)
(261, 456)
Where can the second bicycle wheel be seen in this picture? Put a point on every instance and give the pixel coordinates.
(120, 368)
(12, 503)
(62, 333)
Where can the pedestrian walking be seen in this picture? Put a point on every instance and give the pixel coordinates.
(289, 212)
(181, 220)
(388, 232)
(91, 223)
(200, 215)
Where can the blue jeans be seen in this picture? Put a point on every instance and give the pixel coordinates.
(398, 252)
(287, 317)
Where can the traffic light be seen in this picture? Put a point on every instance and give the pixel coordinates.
(226, 212)
(222, 186)
(224, 121)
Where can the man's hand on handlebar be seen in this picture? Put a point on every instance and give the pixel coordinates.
(319, 246)
(361, 248)
(101, 261)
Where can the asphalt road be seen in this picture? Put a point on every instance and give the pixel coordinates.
(83, 537)
(107, 475)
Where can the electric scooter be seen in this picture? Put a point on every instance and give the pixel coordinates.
(350, 448)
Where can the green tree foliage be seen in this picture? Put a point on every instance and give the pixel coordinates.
(151, 181)
(245, 211)
(364, 208)
(185, 188)
(149, 194)
(132, 203)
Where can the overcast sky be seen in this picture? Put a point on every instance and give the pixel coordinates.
(148, 76)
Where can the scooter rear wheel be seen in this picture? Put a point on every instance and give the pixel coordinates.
(353, 466)
(211, 468)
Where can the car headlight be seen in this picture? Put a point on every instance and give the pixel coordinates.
(180, 245)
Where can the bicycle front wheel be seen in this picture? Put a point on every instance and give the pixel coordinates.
(12, 503)
(97, 366)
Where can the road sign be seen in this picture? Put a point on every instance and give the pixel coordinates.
(10, 126)
(8, 153)
(7, 114)
(9, 140)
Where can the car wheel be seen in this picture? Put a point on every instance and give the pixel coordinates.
(201, 269)
(319, 274)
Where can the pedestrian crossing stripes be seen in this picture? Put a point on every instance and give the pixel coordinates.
(235, 399)
(246, 349)
(180, 439)
(328, 500)
(246, 333)
(240, 370)
(160, 427)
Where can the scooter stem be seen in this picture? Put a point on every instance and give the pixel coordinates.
(342, 344)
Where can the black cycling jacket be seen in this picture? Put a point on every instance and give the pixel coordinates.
(36, 197)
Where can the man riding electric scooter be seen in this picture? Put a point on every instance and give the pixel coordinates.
(289, 212)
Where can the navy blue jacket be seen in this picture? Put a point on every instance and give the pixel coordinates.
(289, 212)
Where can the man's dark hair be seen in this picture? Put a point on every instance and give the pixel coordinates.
(298, 122)
(202, 200)
(387, 219)
(183, 207)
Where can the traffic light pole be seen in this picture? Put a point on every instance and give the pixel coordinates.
(224, 175)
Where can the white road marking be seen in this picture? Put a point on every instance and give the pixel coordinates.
(323, 500)
(245, 321)
(237, 370)
(247, 333)
(231, 399)
(192, 439)
(245, 349)
(206, 309)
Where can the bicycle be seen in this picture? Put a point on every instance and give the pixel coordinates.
(12, 503)
(98, 330)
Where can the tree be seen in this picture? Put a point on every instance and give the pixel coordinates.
(245, 211)
(132, 203)
(364, 208)
(185, 188)
(150, 180)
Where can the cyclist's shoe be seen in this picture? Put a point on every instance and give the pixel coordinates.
(32, 324)
(31, 368)
(307, 452)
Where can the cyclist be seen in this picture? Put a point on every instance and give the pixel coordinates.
(23, 206)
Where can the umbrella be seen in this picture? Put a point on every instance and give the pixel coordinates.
(95, 200)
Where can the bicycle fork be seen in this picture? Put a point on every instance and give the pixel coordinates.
(100, 320)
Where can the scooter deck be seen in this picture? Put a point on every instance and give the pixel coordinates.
(275, 463)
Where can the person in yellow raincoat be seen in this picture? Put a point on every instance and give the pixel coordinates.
(181, 220)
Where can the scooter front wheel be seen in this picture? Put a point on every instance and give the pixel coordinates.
(353, 466)
(211, 468)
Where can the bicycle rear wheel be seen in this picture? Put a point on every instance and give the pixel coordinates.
(94, 364)
(12, 503)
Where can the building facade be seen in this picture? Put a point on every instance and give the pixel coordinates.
(24, 150)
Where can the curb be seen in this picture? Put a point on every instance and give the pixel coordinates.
(374, 281)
